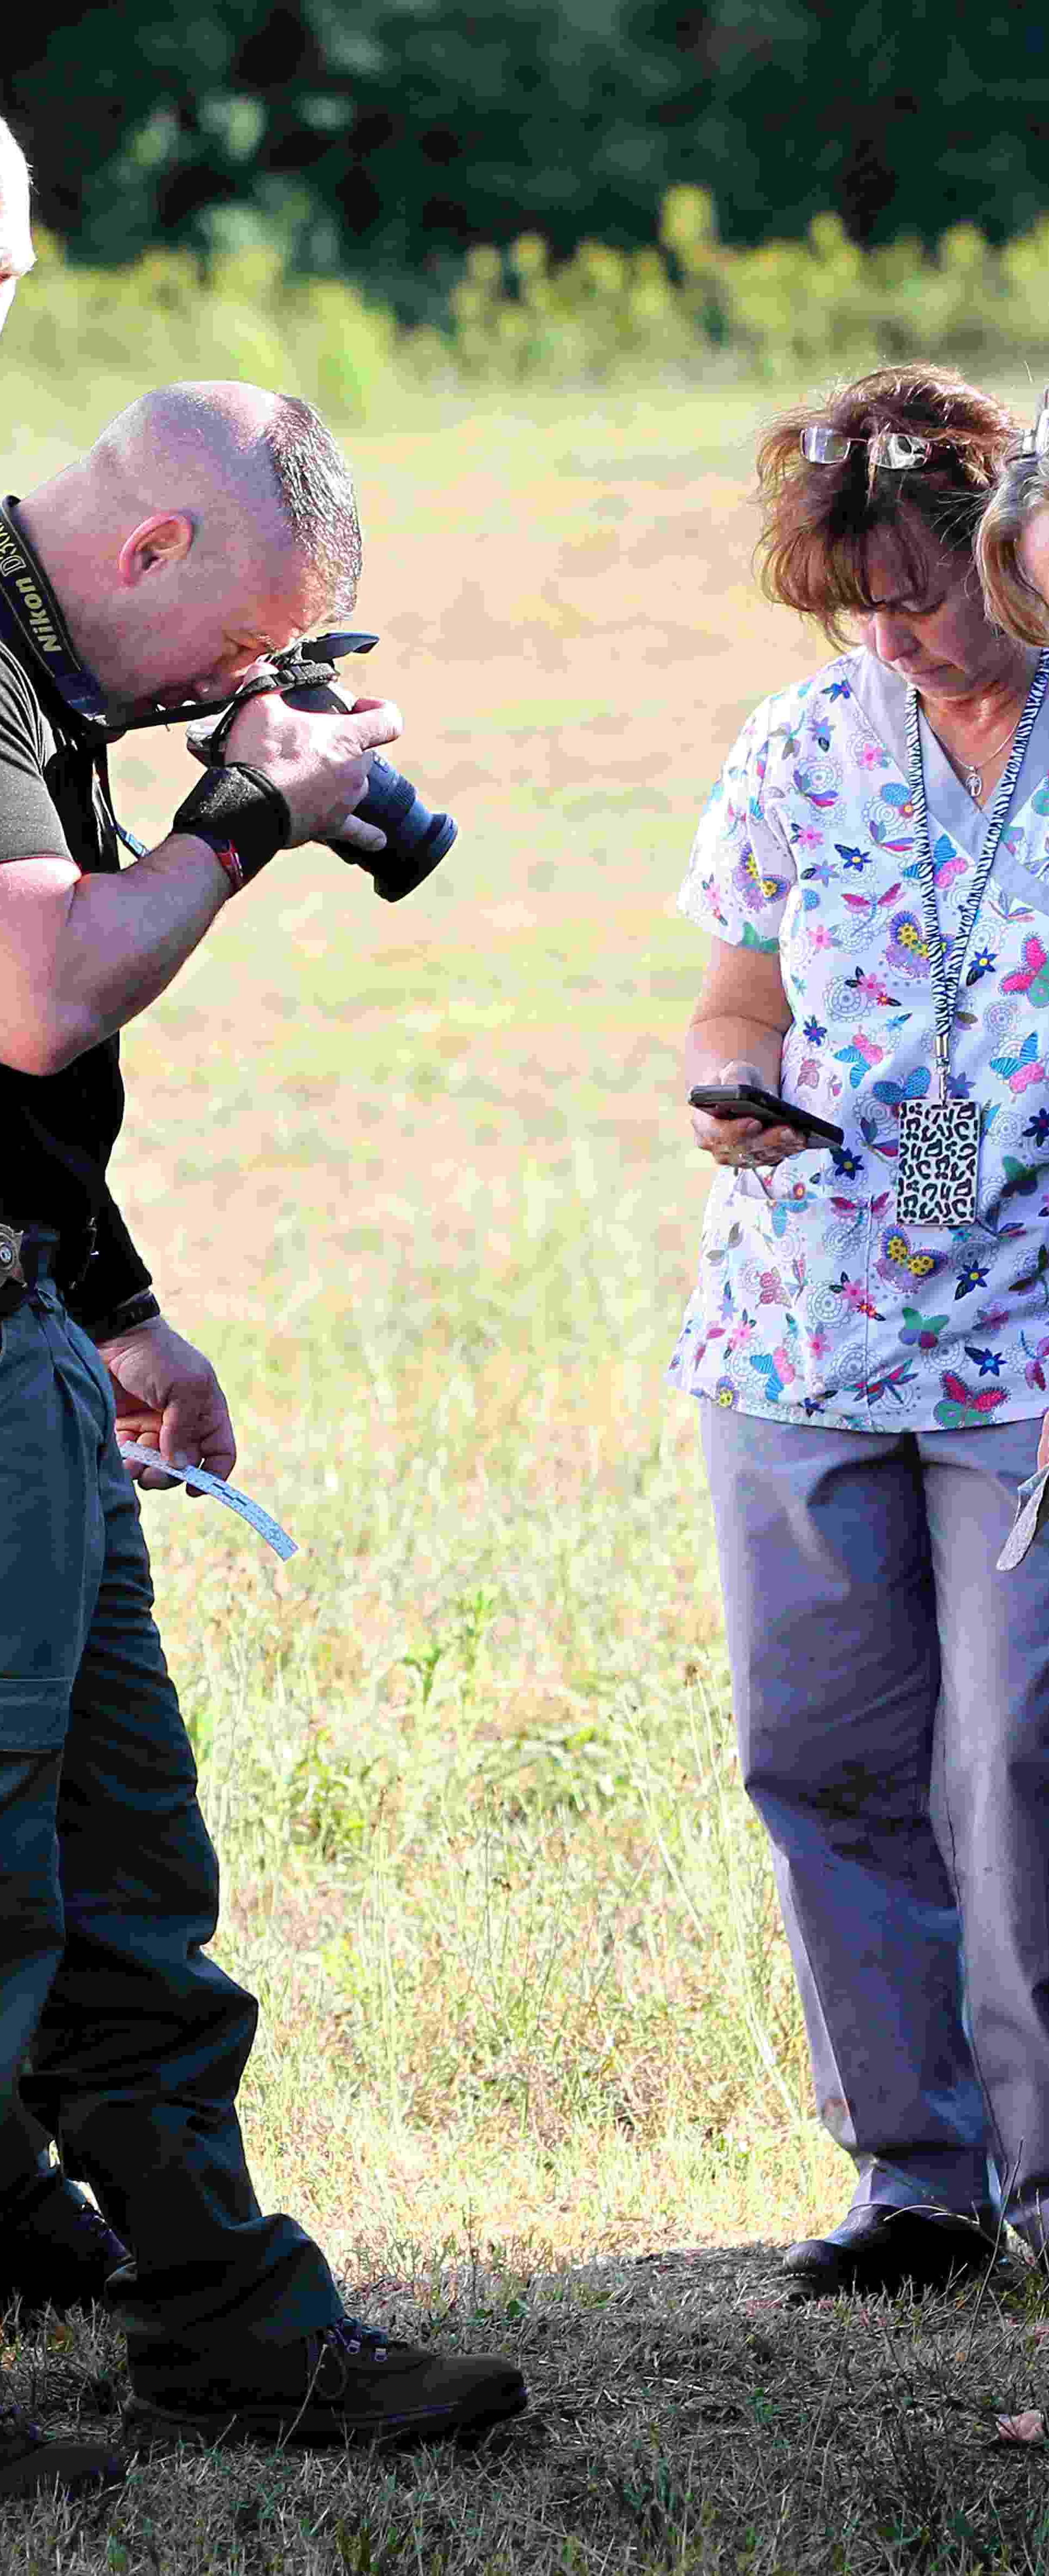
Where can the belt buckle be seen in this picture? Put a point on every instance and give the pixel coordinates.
(12, 1274)
(13, 1281)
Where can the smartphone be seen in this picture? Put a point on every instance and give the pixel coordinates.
(744, 1100)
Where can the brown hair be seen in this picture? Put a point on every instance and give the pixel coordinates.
(317, 497)
(1010, 598)
(819, 520)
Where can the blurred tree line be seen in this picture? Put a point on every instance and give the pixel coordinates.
(385, 138)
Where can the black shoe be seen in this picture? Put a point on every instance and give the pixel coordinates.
(55, 2250)
(31, 2466)
(344, 2384)
(881, 2249)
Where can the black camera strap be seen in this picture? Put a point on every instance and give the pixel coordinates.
(30, 618)
(32, 624)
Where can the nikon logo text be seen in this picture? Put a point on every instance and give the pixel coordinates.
(13, 568)
(38, 617)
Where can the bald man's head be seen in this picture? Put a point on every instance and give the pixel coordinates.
(208, 524)
(260, 471)
(16, 245)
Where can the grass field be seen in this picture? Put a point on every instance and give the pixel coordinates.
(420, 1180)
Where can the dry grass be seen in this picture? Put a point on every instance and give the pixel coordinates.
(419, 1180)
(686, 2418)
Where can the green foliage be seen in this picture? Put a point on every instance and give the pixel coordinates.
(386, 140)
(674, 307)
(684, 305)
(108, 333)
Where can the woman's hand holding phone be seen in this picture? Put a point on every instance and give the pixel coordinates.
(744, 1144)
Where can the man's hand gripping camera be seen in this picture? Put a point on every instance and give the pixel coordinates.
(416, 840)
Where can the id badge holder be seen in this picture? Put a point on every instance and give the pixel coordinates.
(939, 1166)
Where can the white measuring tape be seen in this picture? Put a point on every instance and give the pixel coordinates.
(137, 1454)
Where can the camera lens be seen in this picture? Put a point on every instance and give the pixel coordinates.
(416, 840)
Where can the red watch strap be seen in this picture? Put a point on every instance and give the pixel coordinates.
(230, 865)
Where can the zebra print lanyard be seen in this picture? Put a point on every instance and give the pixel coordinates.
(938, 1172)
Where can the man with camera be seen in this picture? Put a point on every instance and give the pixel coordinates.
(54, 2248)
(209, 527)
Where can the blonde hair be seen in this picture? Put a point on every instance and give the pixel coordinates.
(1011, 600)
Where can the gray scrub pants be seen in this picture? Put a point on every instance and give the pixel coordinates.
(116, 2031)
(892, 1702)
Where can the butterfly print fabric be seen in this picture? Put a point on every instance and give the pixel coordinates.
(813, 1304)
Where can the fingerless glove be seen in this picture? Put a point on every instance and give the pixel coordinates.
(241, 815)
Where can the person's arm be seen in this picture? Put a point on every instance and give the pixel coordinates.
(168, 1397)
(742, 1013)
(740, 873)
(736, 1035)
(166, 1392)
(81, 956)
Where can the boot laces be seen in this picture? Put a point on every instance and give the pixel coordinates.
(15, 2426)
(345, 2340)
(90, 2218)
(349, 2336)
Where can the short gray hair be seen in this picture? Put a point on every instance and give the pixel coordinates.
(315, 489)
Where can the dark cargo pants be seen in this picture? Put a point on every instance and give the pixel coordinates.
(136, 2041)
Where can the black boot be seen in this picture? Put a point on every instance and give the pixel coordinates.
(31, 2466)
(55, 2250)
(880, 2249)
(347, 2383)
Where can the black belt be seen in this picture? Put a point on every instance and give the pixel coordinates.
(27, 1253)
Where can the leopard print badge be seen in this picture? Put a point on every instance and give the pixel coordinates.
(938, 1171)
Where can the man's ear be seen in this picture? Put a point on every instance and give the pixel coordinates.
(159, 542)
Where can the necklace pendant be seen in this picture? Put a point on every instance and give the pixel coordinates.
(974, 785)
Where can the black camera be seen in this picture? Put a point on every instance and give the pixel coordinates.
(416, 840)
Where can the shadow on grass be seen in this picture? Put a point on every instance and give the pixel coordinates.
(685, 2416)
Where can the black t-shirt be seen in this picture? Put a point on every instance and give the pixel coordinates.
(57, 1130)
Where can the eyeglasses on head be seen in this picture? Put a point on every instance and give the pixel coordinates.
(896, 449)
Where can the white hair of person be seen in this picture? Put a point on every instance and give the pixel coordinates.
(16, 240)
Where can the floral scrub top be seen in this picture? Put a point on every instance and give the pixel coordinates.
(813, 1304)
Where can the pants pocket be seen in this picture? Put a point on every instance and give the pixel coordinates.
(33, 1716)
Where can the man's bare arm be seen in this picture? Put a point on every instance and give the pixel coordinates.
(80, 956)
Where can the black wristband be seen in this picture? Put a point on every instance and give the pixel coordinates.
(140, 1309)
(238, 809)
